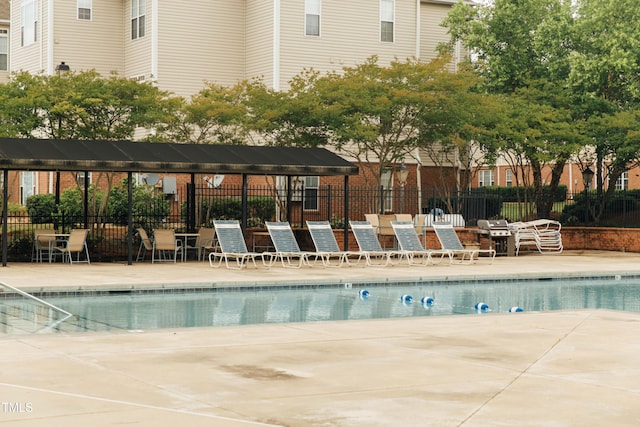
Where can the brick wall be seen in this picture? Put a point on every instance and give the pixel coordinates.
(573, 238)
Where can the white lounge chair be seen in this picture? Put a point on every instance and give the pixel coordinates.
(232, 246)
(327, 246)
(409, 242)
(541, 234)
(450, 241)
(370, 247)
(286, 246)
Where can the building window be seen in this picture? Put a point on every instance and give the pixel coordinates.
(311, 184)
(29, 28)
(84, 10)
(312, 17)
(80, 178)
(27, 186)
(4, 49)
(138, 13)
(508, 178)
(622, 183)
(485, 178)
(386, 20)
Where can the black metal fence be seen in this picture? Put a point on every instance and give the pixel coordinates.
(193, 207)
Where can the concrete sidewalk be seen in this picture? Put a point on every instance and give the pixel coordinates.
(570, 368)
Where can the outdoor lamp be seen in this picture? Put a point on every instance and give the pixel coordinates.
(62, 68)
(587, 177)
(402, 173)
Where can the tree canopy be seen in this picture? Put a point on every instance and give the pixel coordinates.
(568, 71)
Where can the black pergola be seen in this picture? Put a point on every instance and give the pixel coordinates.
(130, 157)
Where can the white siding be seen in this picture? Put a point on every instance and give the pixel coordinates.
(32, 57)
(78, 42)
(199, 42)
(259, 40)
(137, 53)
(349, 34)
(431, 33)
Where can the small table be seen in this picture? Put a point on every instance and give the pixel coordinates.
(53, 239)
(186, 237)
(261, 234)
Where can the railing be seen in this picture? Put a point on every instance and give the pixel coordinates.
(191, 208)
(49, 326)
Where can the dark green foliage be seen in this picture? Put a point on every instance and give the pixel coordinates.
(149, 208)
(41, 208)
(259, 209)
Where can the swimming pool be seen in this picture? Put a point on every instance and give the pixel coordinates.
(181, 308)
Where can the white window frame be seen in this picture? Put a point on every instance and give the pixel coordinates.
(622, 183)
(387, 18)
(486, 178)
(85, 10)
(27, 186)
(28, 22)
(508, 178)
(312, 10)
(138, 19)
(80, 178)
(311, 200)
(4, 49)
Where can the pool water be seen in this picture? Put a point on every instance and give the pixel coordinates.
(141, 311)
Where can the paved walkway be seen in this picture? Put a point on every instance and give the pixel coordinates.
(569, 368)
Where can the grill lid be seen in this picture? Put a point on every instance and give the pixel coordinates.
(495, 227)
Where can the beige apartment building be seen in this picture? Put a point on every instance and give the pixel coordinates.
(182, 45)
(179, 46)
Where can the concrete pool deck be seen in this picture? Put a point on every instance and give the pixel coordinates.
(567, 368)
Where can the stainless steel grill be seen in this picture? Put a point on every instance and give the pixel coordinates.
(494, 227)
(499, 234)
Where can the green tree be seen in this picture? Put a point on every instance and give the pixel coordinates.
(604, 70)
(217, 114)
(82, 105)
(378, 115)
(522, 49)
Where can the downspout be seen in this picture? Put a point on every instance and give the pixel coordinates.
(418, 23)
(419, 178)
(5, 202)
(130, 218)
(50, 25)
(276, 45)
(154, 40)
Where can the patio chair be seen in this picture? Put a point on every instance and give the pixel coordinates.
(43, 242)
(449, 241)
(409, 241)
(373, 220)
(327, 246)
(145, 244)
(286, 246)
(385, 230)
(204, 241)
(231, 246)
(75, 244)
(165, 245)
(370, 247)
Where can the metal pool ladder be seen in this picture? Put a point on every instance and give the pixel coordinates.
(66, 314)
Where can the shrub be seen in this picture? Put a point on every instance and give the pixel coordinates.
(41, 208)
(148, 207)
